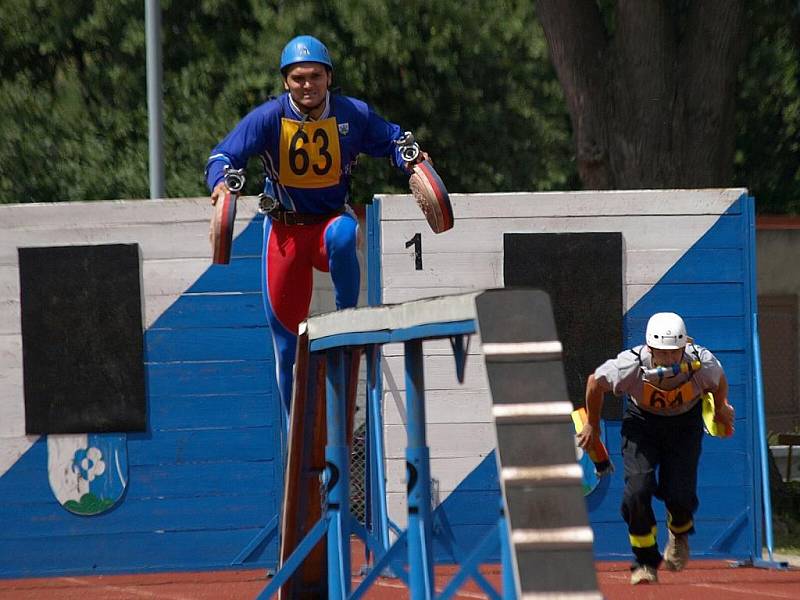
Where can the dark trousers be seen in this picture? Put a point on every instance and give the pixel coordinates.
(660, 457)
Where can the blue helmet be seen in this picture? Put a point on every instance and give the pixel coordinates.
(305, 48)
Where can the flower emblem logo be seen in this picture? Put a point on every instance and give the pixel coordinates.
(88, 463)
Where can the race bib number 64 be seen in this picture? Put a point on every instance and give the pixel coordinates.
(310, 155)
(659, 400)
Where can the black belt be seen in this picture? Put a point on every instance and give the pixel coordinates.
(288, 217)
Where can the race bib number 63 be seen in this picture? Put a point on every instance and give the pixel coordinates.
(310, 155)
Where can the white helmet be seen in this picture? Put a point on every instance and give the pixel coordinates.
(666, 331)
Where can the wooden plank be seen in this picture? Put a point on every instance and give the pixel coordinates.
(207, 344)
(485, 270)
(440, 374)
(463, 514)
(12, 407)
(169, 296)
(476, 236)
(14, 444)
(436, 347)
(169, 240)
(10, 314)
(241, 275)
(690, 300)
(27, 521)
(209, 477)
(486, 235)
(448, 472)
(212, 411)
(11, 349)
(164, 281)
(170, 447)
(711, 265)
(446, 440)
(157, 240)
(583, 203)
(176, 276)
(129, 552)
(187, 379)
(225, 310)
(396, 296)
(66, 215)
(444, 406)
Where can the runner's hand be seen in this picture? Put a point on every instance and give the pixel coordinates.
(725, 415)
(587, 437)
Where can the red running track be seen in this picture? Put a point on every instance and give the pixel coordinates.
(702, 580)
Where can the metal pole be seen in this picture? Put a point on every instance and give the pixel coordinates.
(152, 18)
(762, 438)
(419, 478)
(337, 477)
(379, 525)
(507, 558)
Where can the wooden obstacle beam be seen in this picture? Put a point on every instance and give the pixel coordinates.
(540, 478)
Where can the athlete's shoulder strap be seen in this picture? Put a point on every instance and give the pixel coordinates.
(638, 355)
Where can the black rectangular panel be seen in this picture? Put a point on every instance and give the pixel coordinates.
(82, 340)
(582, 273)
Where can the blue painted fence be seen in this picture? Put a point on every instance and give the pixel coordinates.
(206, 478)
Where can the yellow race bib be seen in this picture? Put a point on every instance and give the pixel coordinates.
(310, 154)
(668, 401)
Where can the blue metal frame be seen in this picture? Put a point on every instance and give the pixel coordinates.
(337, 477)
(374, 287)
(762, 503)
(418, 474)
(378, 515)
(416, 541)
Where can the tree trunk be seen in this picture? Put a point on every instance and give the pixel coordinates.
(652, 105)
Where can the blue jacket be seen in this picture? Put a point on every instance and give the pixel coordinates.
(308, 163)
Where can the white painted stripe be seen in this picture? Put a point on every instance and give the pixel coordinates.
(531, 412)
(549, 350)
(544, 475)
(562, 596)
(563, 537)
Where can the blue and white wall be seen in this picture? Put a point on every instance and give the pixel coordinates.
(685, 251)
(205, 479)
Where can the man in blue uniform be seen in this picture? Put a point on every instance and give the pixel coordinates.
(662, 430)
(308, 140)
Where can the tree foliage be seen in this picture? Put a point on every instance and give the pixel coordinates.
(476, 87)
(474, 82)
(767, 157)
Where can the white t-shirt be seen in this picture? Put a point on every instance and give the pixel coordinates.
(670, 396)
